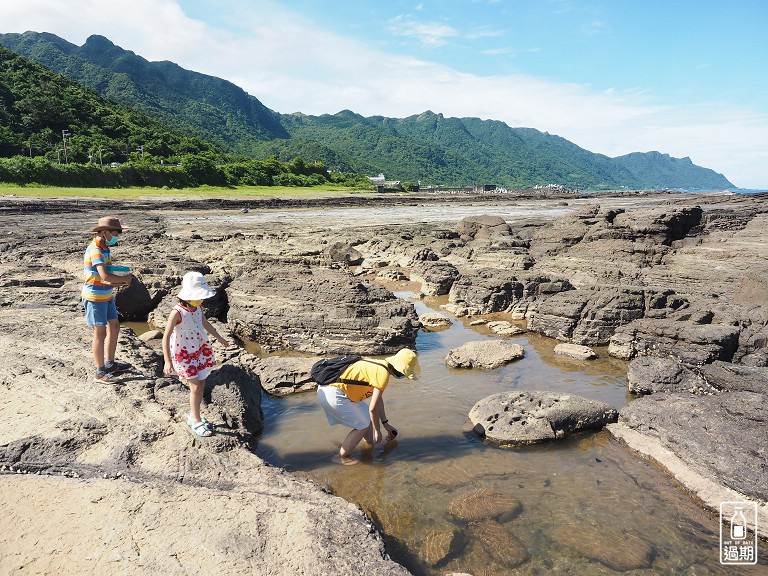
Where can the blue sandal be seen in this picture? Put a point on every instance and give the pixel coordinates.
(199, 428)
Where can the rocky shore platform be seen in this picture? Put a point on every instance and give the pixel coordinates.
(99, 478)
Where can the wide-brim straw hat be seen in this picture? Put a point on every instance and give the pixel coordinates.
(108, 223)
(194, 286)
(405, 362)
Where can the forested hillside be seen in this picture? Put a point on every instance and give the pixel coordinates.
(204, 106)
(56, 131)
(39, 108)
(427, 148)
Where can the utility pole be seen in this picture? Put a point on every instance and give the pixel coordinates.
(141, 149)
(64, 134)
(100, 151)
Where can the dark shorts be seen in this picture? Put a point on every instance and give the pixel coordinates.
(100, 313)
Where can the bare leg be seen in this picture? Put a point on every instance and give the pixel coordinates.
(97, 346)
(349, 444)
(113, 333)
(196, 388)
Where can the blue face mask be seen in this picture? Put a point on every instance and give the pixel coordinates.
(113, 241)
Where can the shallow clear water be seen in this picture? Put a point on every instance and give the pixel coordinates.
(589, 506)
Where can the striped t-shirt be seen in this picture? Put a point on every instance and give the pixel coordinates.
(94, 289)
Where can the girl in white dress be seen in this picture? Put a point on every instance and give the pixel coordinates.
(187, 348)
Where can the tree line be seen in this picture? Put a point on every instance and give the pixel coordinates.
(190, 171)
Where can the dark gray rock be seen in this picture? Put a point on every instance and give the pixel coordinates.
(434, 322)
(487, 354)
(319, 311)
(436, 278)
(511, 418)
(488, 290)
(344, 253)
(694, 344)
(721, 437)
(587, 317)
(281, 376)
(649, 375)
(469, 227)
(753, 345)
(659, 225)
(134, 301)
(735, 377)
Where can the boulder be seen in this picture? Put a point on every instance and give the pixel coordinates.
(499, 542)
(735, 377)
(575, 351)
(150, 335)
(586, 317)
(469, 227)
(281, 375)
(718, 437)
(434, 322)
(134, 301)
(438, 545)
(487, 290)
(649, 375)
(488, 354)
(319, 311)
(459, 311)
(512, 418)
(344, 253)
(504, 328)
(436, 278)
(691, 343)
(589, 540)
(484, 503)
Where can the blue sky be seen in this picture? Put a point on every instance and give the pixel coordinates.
(685, 77)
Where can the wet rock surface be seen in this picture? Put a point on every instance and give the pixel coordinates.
(511, 418)
(715, 435)
(575, 351)
(634, 553)
(484, 503)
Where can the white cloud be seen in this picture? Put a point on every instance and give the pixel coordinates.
(428, 33)
(291, 65)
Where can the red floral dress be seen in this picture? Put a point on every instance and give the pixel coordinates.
(191, 352)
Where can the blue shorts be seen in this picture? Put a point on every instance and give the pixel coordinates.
(100, 313)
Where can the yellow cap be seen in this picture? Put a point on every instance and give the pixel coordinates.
(405, 362)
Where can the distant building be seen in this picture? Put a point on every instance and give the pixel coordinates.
(377, 179)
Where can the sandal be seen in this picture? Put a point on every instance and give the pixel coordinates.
(201, 429)
(203, 420)
(105, 377)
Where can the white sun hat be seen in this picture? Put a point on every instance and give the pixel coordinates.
(195, 287)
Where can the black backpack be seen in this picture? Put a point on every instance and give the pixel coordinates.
(328, 370)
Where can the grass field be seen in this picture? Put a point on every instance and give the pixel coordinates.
(201, 192)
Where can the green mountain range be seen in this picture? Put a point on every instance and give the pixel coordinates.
(38, 108)
(428, 147)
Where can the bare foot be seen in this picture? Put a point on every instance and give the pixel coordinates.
(346, 460)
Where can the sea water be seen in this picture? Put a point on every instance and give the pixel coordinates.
(589, 505)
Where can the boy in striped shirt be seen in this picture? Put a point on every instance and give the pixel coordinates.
(98, 299)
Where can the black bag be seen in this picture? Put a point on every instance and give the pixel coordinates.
(328, 370)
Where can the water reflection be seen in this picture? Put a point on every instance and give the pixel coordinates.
(588, 505)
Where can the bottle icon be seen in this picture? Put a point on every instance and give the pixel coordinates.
(738, 525)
